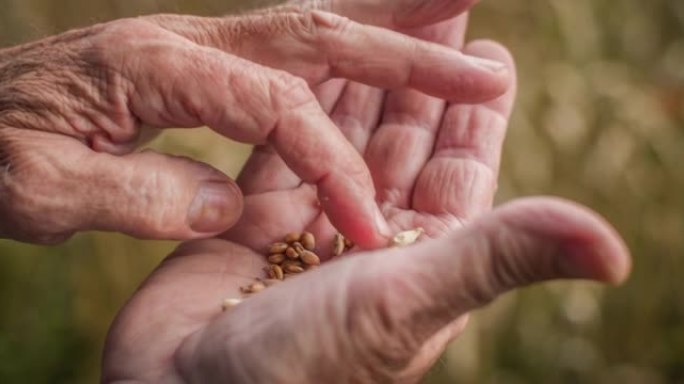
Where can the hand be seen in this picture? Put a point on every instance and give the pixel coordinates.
(434, 164)
(374, 317)
(371, 317)
(71, 108)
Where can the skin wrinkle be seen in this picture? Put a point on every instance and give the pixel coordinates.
(306, 5)
(382, 344)
(292, 312)
(69, 81)
(337, 26)
(250, 338)
(194, 107)
(206, 31)
(340, 313)
(333, 300)
(475, 287)
(554, 252)
(301, 302)
(29, 197)
(425, 308)
(458, 123)
(110, 113)
(472, 142)
(505, 271)
(509, 247)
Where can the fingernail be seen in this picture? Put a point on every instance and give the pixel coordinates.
(215, 207)
(489, 65)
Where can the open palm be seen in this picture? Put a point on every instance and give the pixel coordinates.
(380, 316)
(434, 164)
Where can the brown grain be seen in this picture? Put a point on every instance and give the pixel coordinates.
(276, 272)
(308, 241)
(310, 258)
(291, 253)
(276, 258)
(291, 268)
(278, 248)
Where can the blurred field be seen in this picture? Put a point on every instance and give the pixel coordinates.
(600, 120)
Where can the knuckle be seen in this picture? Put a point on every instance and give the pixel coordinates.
(290, 92)
(142, 213)
(285, 95)
(158, 207)
(114, 57)
(125, 31)
(326, 31)
(329, 22)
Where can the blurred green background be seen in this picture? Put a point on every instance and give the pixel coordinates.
(600, 120)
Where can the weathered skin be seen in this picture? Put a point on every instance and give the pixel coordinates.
(373, 317)
(72, 108)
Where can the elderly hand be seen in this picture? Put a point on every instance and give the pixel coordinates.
(379, 317)
(72, 107)
(375, 317)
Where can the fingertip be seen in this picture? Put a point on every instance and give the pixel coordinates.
(478, 79)
(490, 49)
(589, 246)
(354, 212)
(494, 51)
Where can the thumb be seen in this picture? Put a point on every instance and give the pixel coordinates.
(151, 195)
(403, 305)
(52, 186)
(426, 287)
(382, 316)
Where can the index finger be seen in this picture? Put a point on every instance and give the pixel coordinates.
(181, 84)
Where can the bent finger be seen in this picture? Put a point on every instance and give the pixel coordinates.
(254, 104)
(56, 187)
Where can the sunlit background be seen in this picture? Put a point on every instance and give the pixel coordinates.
(600, 120)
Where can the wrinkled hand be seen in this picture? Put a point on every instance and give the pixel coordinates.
(377, 317)
(382, 316)
(72, 107)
